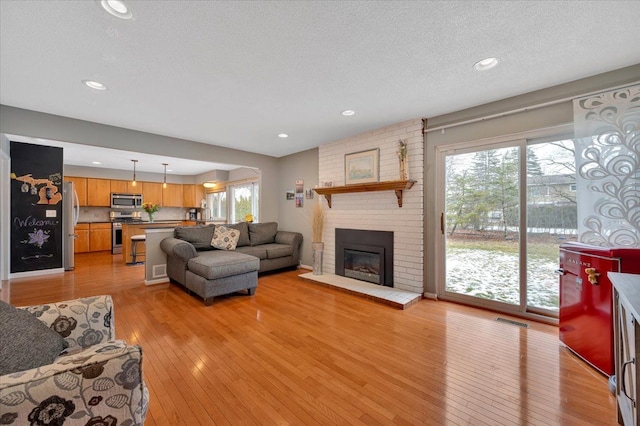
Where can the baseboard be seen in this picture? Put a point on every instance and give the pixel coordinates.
(301, 266)
(432, 296)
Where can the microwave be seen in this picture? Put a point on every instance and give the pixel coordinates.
(126, 201)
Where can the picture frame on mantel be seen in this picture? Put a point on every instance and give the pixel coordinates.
(362, 167)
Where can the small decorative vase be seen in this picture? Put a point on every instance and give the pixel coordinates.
(404, 175)
(150, 217)
(317, 249)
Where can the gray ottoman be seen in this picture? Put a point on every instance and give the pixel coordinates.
(222, 272)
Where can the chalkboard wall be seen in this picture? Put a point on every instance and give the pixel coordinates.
(36, 207)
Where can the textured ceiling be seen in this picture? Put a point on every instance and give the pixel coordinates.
(236, 74)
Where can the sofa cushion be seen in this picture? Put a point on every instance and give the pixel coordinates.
(244, 233)
(225, 238)
(278, 250)
(26, 341)
(258, 251)
(263, 233)
(220, 264)
(200, 235)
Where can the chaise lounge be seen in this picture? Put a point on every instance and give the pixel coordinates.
(213, 260)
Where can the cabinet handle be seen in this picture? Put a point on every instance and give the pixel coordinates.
(623, 384)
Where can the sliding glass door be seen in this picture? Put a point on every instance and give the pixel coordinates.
(507, 208)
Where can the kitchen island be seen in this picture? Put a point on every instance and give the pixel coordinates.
(155, 260)
(130, 229)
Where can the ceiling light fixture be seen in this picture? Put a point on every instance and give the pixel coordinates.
(94, 85)
(117, 8)
(134, 183)
(164, 182)
(486, 64)
(283, 135)
(209, 184)
(96, 162)
(348, 112)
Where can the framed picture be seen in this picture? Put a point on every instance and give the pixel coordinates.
(290, 194)
(362, 167)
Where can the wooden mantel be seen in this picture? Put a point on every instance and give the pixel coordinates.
(393, 185)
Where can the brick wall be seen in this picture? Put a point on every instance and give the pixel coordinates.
(379, 211)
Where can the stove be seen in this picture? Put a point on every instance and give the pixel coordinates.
(117, 219)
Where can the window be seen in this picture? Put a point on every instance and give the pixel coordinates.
(573, 187)
(244, 201)
(217, 202)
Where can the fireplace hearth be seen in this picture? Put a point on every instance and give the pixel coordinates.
(365, 255)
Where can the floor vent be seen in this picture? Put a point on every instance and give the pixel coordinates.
(508, 321)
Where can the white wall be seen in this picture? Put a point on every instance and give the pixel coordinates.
(379, 211)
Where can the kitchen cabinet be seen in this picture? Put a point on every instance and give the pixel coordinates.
(626, 302)
(172, 195)
(126, 187)
(80, 186)
(81, 244)
(100, 236)
(98, 192)
(192, 195)
(152, 193)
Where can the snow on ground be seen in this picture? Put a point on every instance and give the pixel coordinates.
(494, 275)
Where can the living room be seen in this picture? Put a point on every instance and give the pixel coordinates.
(293, 349)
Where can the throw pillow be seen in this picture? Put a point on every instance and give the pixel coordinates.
(27, 342)
(199, 236)
(225, 238)
(263, 233)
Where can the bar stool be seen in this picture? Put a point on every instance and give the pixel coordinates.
(135, 239)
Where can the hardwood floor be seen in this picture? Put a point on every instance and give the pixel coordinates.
(302, 354)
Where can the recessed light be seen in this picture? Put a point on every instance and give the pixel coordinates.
(117, 8)
(96, 162)
(486, 64)
(283, 135)
(94, 85)
(348, 112)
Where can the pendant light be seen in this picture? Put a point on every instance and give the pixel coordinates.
(164, 182)
(134, 183)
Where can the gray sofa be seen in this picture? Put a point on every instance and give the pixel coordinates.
(194, 263)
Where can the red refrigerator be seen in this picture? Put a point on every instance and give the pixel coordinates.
(586, 307)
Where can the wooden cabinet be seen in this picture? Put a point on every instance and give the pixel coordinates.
(98, 192)
(152, 193)
(80, 186)
(626, 304)
(126, 187)
(100, 236)
(81, 244)
(172, 195)
(192, 195)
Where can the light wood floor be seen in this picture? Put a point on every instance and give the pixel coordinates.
(302, 354)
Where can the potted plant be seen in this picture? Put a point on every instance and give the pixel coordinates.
(317, 246)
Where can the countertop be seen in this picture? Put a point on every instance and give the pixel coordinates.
(628, 286)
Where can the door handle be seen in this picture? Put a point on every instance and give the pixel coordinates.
(442, 223)
(623, 384)
(560, 271)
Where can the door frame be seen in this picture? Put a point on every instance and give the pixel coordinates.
(520, 140)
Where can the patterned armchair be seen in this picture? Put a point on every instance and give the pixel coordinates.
(96, 381)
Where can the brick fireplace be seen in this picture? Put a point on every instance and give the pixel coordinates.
(379, 211)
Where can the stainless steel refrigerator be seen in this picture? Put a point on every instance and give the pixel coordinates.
(70, 215)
